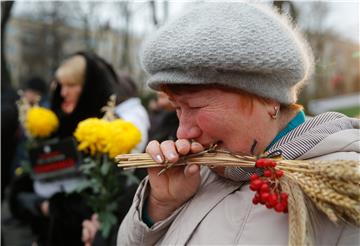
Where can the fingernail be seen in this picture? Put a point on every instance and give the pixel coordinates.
(172, 155)
(159, 158)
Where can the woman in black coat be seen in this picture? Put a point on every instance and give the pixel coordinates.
(82, 85)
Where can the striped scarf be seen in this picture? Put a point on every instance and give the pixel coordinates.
(300, 140)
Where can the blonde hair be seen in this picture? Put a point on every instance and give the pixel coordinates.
(73, 69)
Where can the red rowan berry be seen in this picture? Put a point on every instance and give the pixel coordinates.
(255, 200)
(284, 196)
(256, 183)
(279, 173)
(267, 163)
(253, 187)
(273, 199)
(267, 173)
(260, 163)
(269, 205)
(253, 177)
(280, 207)
(272, 163)
(264, 197)
(264, 188)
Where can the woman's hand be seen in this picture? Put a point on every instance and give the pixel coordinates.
(175, 186)
(90, 227)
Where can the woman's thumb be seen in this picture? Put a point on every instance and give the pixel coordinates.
(191, 170)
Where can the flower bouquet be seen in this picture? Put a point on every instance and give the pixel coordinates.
(296, 187)
(102, 140)
(38, 124)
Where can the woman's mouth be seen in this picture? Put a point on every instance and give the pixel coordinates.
(220, 145)
(67, 106)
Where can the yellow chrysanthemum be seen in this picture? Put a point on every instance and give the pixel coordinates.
(124, 137)
(100, 136)
(92, 135)
(41, 122)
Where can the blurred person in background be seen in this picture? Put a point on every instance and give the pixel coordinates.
(129, 108)
(9, 126)
(164, 121)
(233, 72)
(82, 85)
(35, 91)
(13, 135)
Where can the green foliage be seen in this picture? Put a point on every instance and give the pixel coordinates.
(108, 219)
(26, 166)
(102, 189)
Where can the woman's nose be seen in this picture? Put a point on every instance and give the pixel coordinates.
(63, 91)
(188, 130)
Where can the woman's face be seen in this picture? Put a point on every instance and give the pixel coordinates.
(213, 115)
(70, 92)
(32, 96)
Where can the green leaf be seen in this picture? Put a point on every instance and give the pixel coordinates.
(95, 185)
(83, 185)
(26, 166)
(112, 206)
(105, 229)
(87, 166)
(105, 167)
(108, 220)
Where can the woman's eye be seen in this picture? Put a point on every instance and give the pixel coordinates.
(195, 107)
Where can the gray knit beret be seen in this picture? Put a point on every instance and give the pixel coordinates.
(240, 45)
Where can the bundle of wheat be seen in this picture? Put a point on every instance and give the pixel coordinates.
(333, 186)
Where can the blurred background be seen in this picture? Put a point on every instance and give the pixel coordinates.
(36, 36)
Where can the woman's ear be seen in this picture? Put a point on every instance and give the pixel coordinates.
(272, 108)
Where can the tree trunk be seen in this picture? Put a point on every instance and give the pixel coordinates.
(153, 11)
(125, 58)
(5, 15)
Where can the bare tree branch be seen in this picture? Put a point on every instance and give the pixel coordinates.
(153, 11)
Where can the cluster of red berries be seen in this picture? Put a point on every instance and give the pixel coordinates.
(267, 187)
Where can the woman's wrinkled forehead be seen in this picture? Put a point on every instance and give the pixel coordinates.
(186, 91)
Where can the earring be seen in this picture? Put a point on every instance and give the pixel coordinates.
(276, 113)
